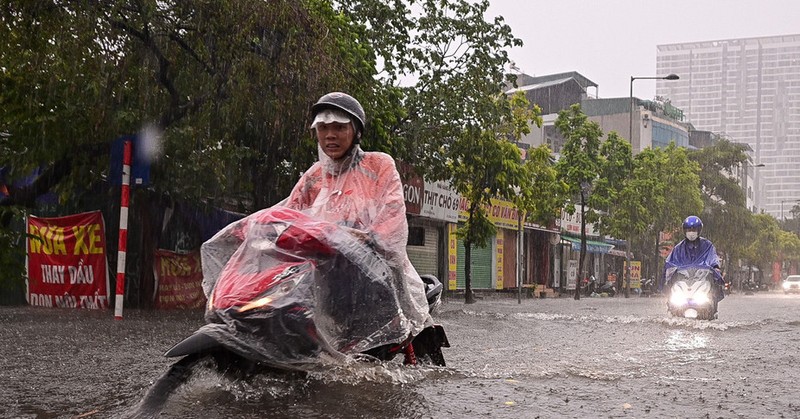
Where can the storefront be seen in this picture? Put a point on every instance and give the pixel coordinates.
(430, 207)
(425, 246)
(570, 249)
(434, 213)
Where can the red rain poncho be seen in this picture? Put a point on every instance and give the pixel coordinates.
(363, 195)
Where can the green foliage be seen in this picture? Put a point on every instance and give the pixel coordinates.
(454, 61)
(727, 220)
(535, 189)
(230, 83)
(792, 222)
(579, 165)
(668, 189)
(790, 246)
(609, 194)
(483, 164)
(719, 164)
(546, 195)
(484, 167)
(682, 191)
(764, 248)
(54, 70)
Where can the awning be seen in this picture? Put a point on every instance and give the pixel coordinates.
(533, 226)
(591, 245)
(620, 253)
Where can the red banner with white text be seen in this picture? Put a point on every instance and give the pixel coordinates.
(67, 265)
(180, 278)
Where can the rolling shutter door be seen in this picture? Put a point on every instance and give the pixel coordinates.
(482, 272)
(426, 258)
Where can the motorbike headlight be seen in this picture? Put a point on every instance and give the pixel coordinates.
(701, 298)
(276, 293)
(677, 299)
(261, 302)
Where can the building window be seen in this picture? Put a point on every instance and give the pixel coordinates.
(416, 236)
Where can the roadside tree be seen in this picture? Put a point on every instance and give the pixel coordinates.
(226, 86)
(725, 216)
(484, 164)
(675, 195)
(764, 249)
(578, 168)
(615, 195)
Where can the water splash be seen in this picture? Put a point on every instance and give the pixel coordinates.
(685, 341)
(372, 372)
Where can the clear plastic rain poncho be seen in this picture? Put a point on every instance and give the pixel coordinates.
(324, 272)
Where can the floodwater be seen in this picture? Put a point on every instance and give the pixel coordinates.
(543, 358)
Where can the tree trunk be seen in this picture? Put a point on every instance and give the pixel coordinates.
(657, 263)
(581, 273)
(469, 298)
(628, 268)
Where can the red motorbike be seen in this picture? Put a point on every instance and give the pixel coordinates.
(293, 294)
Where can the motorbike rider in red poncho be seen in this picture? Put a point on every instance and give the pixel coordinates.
(361, 194)
(359, 190)
(350, 187)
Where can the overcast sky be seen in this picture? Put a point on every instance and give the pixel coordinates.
(608, 41)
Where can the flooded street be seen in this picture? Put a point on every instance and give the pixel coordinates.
(546, 358)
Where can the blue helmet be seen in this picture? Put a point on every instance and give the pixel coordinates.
(693, 221)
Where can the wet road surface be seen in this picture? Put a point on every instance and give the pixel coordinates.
(544, 358)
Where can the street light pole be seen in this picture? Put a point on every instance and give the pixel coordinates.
(667, 77)
(630, 139)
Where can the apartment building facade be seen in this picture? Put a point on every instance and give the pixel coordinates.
(749, 91)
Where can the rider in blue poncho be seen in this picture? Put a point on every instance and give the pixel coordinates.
(695, 251)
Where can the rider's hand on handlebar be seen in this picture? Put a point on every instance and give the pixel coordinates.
(363, 236)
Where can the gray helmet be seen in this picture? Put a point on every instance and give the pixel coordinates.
(344, 102)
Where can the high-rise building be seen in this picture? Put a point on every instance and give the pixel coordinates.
(749, 91)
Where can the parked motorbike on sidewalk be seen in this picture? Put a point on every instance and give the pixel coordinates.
(590, 286)
(694, 292)
(297, 294)
(649, 287)
(608, 288)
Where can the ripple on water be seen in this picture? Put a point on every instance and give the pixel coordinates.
(665, 320)
(714, 324)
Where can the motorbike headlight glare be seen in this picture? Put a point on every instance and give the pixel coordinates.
(701, 299)
(677, 299)
(261, 302)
